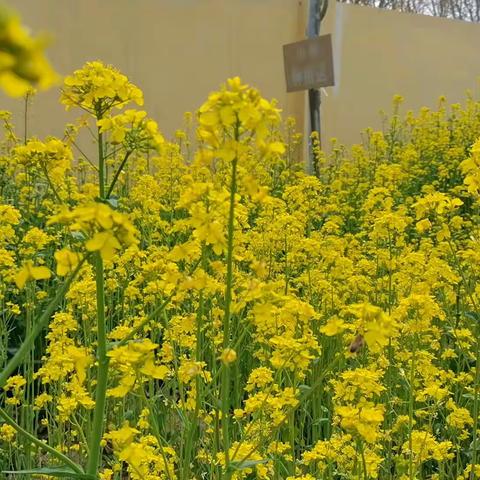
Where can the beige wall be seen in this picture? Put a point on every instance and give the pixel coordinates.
(380, 53)
(176, 51)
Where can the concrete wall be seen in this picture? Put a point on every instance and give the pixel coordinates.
(380, 53)
(176, 51)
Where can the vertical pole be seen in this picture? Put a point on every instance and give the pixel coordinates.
(316, 12)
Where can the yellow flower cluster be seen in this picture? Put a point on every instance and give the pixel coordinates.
(105, 230)
(471, 169)
(65, 367)
(51, 159)
(22, 60)
(135, 363)
(237, 110)
(144, 457)
(97, 88)
(133, 130)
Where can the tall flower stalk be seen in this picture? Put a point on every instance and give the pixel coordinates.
(82, 92)
(102, 359)
(225, 382)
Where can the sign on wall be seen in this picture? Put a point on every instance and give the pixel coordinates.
(309, 63)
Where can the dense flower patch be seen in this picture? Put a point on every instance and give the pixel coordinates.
(202, 308)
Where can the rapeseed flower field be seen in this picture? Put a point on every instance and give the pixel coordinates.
(203, 309)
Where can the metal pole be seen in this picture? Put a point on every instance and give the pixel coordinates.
(317, 10)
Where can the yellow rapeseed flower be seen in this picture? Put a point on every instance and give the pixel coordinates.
(30, 272)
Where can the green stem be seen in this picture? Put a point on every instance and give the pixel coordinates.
(25, 119)
(411, 405)
(229, 280)
(39, 325)
(102, 376)
(156, 431)
(50, 184)
(117, 173)
(364, 463)
(291, 434)
(27, 417)
(101, 164)
(60, 456)
(102, 359)
(192, 437)
(225, 380)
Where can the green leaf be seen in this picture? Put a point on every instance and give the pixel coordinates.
(78, 235)
(246, 464)
(64, 472)
(472, 316)
(304, 388)
(113, 202)
(320, 421)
